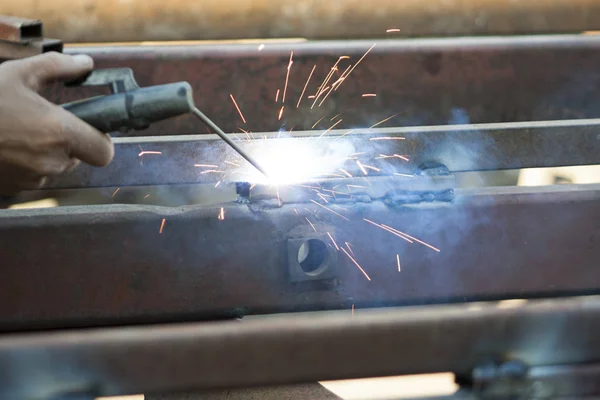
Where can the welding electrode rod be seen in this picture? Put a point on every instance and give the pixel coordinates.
(223, 136)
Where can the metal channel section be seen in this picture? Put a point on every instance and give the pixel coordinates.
(459, 148)
(424, 81)
(303, 348)
(97, 265)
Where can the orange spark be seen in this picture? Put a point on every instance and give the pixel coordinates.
(356, 186)
(287, 76)
(212, 170)
(356, 65)
(312, 96)
(317, 98)
(252, 187)
(232, 163)
(206, 166)
(388, 138)
(369, 95)
(341, 78)
(115, 192)
(385, 120)
(346, 172)
(393, 156)
(393, 30)
(353, 310)
(331, 127)
(311, 224)
(320, 91)
(333, 241)
(221, 215)
(296, 211)
(146, 196)
(237, 107)
(356, 263)
(407, 175)
(312, 127)
(144, 152)
(362, 167)
(305, 85)
(398, 260)
(335, 116)
(247, 133)
(162, 225)
(218, 183)
(280, 113)
(322, 197)
(330, 210)
(388, 229)
(411, 237)
(349, 247)
(371, 168)
(277, 96)
(262, 46)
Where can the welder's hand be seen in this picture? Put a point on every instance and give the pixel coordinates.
(38, 138)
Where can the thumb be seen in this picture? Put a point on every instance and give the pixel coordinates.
(45, 68)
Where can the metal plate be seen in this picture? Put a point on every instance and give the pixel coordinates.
(90, 266)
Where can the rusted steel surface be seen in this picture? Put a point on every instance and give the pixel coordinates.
(87, 266)
(11, 51)
(420, 81)
(13, 29)
(304, 348)
(139, 20)
(458, 147)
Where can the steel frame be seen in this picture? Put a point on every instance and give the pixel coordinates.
(71, 273)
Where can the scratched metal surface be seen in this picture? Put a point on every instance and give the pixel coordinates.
(87, 266)
(424, 81)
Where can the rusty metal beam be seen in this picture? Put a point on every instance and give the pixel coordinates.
(423, 81)
(304, 348)
(458, 147)
(13, 29)
(11, 51)
(139, 20)
(88, 266)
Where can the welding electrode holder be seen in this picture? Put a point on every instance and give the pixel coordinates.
(129, 106)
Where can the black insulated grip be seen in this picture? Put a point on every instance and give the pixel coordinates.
(136, 109)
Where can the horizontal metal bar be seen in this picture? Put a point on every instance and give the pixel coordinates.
(123, 264)
(304, 18)
(458, 147)
(11, 51)
(423, 81)
(299, 348)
